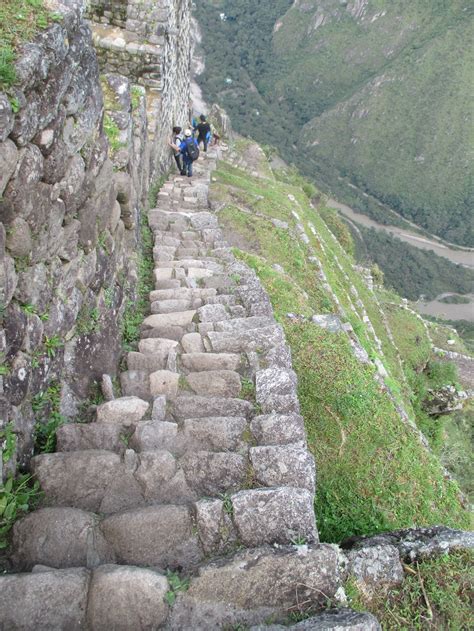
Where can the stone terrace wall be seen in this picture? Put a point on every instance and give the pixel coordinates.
(66, 243)
(152, 48)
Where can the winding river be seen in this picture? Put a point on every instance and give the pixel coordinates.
(462, 256)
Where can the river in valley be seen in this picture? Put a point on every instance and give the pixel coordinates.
(462, 256)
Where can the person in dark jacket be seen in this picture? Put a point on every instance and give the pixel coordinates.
(187, 160)
(204, 131)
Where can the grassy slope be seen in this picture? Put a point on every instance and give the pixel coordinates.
(373, 473)
(436, 595)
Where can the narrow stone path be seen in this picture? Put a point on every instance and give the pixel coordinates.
(204, 455)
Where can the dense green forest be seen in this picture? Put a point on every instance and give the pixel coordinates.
(374, 106)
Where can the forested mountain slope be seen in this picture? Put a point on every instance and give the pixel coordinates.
(366, 93)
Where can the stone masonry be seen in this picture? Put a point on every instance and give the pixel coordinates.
(69, 214)
(148, 42)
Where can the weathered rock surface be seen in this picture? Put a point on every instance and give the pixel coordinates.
(331, 620)
(274, 516)
(125, 598)
(45, 600)
(126, 410)
(375, 569)
(417, 543)
(255, 585)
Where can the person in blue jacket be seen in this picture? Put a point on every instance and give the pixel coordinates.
(190, 151)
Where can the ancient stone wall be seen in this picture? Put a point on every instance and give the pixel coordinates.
(69, 213)
(152, 48)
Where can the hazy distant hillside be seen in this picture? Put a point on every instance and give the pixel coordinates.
(371, 93)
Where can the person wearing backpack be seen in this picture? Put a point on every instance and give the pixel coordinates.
(204, 131)
(175, 144)
(190, 151)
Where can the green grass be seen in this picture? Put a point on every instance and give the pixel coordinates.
(113, 133)
(136, 310)
(374, 475)
(436, 595)
(20, 20)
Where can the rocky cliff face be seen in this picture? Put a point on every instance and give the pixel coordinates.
(73, 183)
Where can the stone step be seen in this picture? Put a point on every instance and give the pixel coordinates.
(255, 340)
(258, 585)
(103, 482)
(219, 383)
(155, 536)
(244, 324)
(190, 263)
(193, 406)
(197, 362)
(169, 331)
(182, 293)
(174, 305)
(178, 318)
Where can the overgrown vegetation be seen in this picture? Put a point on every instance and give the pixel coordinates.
(19, 22)
(435, 595)
(374, 475)
(17, 496)
(137, 309)
(113, 133)
(45, 405)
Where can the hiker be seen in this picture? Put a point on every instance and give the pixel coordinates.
(190, 152)
(204, 132)
(175, 144)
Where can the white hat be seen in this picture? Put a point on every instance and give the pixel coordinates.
(188, 132)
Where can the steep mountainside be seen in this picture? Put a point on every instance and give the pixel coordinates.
(364, 360)
(366, 94)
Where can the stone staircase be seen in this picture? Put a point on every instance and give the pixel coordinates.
(201, 469)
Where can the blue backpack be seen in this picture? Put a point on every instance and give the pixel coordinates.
(192, 149)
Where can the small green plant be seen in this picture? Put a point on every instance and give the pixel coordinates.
(17, 496)
(247, 389)
(7, 442)
(4, 370)
(28, 309)
(88, 320)
(52, 344)
(113, 133)
(236, 278)
(227, 504)
(136, 93)
(109, 297)
(15, 104)
(45, 405)
(35, 358)
(299, 540)
(177, 584)
(45, 433)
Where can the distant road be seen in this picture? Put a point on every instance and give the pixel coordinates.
(460, 257)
